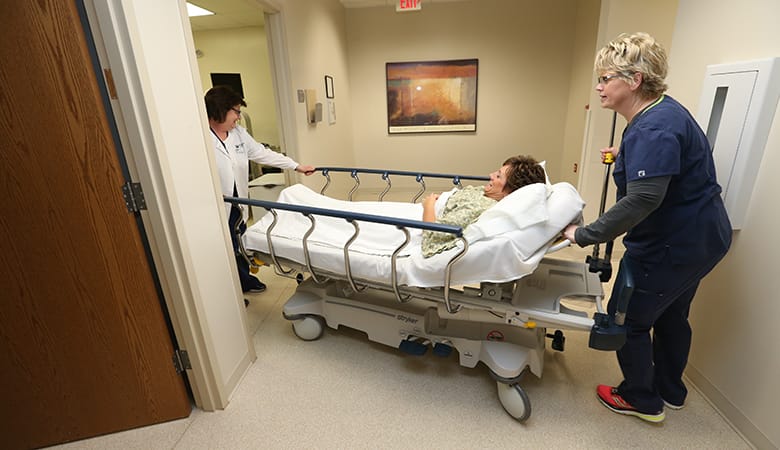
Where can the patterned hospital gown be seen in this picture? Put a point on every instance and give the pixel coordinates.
(462, 209)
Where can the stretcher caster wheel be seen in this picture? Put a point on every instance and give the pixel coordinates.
(514, 400)
(310, 328)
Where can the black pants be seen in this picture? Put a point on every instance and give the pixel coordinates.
(653, 366)
(248, 281)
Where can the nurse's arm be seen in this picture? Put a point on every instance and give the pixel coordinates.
(642, 198)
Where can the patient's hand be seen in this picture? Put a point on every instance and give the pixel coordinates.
(429, 208)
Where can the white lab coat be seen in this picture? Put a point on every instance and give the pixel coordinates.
(233, 157)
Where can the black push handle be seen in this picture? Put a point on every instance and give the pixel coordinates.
(603, 266)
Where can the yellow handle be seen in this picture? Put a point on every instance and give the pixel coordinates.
(609, 158)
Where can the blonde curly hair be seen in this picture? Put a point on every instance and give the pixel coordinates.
(635, 53)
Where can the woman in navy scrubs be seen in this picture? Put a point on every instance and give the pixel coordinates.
(670, 208)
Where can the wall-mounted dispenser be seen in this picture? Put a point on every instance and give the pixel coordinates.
(736, 111)
(313, 108)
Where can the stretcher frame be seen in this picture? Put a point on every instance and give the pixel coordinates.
(502, 325)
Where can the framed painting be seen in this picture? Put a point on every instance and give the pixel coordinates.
(432, 96)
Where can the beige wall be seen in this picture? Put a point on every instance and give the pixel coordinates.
(584, 37)
(243, 51)
(526, 56)
(735, 359)
(315, 34)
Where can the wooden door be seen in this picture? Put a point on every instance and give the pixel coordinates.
(84, 346)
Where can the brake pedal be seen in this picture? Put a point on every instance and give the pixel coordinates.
(413, 347)
(442, 350)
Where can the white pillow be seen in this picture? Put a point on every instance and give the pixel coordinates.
(535, 214)
(520, 209)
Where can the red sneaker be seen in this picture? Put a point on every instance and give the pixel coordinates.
(612, 400)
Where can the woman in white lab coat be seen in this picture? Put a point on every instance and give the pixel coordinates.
(233, 149)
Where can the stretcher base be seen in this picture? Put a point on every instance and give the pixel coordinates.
(504, 330)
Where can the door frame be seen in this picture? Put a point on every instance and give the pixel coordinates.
(202, 294)
(281, 79)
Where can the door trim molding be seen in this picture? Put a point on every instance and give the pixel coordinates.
(144, 138)
(282, 81)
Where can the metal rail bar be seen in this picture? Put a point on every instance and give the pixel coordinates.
(385, 174)
(277, 267)
(348, 215)
(306, 255)
(353, 218)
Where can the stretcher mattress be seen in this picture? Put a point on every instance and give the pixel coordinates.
(506, 243)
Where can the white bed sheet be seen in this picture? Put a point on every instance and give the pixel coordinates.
(506, 243)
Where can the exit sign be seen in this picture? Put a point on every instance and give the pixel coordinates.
(408, 5)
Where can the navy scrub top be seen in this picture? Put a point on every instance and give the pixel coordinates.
(691, 224)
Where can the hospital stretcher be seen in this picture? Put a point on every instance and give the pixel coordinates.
(492, 298)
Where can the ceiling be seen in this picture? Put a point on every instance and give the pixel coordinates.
(370, 3)
(228, 14)
(249, 13)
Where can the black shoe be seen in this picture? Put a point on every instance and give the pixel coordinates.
(246, 302)
(257, 288)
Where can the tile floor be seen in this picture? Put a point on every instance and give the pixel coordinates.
(343, 391)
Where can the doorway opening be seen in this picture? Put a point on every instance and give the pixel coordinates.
(232, 48)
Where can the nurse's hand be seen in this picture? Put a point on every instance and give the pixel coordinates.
(307, 170)
(568, 233)
(609, 150)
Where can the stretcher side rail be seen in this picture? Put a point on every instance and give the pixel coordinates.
(385, 174)
(503, 308)
(353, 218)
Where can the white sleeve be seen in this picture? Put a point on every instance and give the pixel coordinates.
(261, 154)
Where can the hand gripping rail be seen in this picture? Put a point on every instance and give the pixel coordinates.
(419, 177)
(352, 218)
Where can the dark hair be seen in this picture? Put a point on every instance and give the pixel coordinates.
(219, 100)
(523, 170)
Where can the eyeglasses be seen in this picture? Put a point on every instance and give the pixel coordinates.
(237, 111)
(604, 79)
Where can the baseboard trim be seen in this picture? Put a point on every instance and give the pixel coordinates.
(730, 413)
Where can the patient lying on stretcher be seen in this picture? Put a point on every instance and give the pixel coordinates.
(465, 206)
(506, 241)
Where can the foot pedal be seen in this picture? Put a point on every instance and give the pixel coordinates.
(442, 350)
(413, 347)
(605, 335)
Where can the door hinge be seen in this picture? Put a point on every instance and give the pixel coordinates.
(181, 360)
(134, 196)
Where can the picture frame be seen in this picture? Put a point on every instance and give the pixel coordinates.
(329, 86)
(432, 96)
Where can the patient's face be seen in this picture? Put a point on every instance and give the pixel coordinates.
(495, 187)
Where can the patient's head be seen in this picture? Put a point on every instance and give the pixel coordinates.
(515, 173)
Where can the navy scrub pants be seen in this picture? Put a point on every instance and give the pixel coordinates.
(652, 366)
(248, 281)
